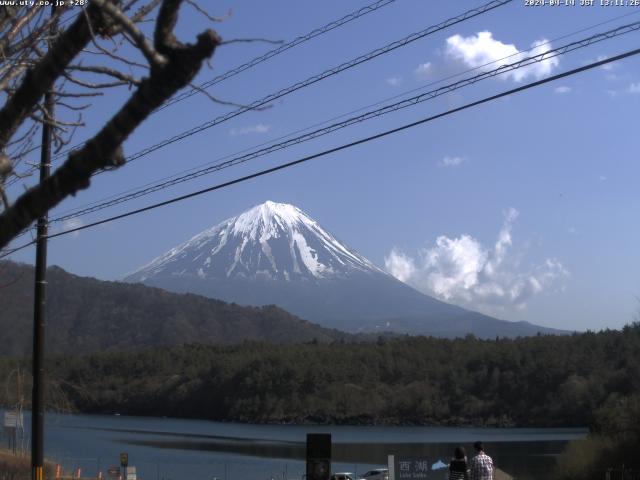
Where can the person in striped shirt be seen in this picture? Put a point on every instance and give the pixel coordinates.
(458, 468)
(481, 464)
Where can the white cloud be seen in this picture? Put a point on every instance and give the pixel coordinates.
(562, 89)
(423, 70)
(450, 162)
(607, 66)
(461, 270)
(259, 128)
(394, 81)
(634, 88)
(70, 224)
(454, 265)
(482, 49)
(399, 265)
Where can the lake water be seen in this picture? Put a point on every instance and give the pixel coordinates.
(173, 449)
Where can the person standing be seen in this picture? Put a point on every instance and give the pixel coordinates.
(458, 468)
(481, 464)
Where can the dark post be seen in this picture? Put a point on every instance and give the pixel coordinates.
(318, 456)
(40, 301)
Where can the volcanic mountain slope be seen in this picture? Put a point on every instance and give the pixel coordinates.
(274, 253)
(87, 315)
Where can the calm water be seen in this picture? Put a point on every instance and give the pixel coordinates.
(164, 449)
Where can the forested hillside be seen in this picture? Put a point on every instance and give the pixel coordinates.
(534, 381)
(86, 315)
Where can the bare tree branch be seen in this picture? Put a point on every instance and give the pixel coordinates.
(6, 169)
(40, 78)
(163, 38)
(252, 40)
(79, 94)
(72, 107)
(11, 74)
(104, 150)
(103, 51)
(16, 28)
(153, 57)
(95, 86)
(226, 102)
(38, 34)
(56, 123)
(29, 132)
(206, 14)
(106, 71)
(145, 10)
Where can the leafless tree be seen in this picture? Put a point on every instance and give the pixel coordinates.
(77, 53)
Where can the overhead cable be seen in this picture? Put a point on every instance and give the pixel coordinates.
(264, 57)
(257, 104)
(277, 51)
(503, 69)
(339, 148)
(353, 143)
(333, 119)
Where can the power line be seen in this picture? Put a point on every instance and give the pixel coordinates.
(618, 17)
(256, 104)
(311, 80)
(354, 143)
(283, 48)
(16, 249)
(358, 119)
(263, 58)
(341, 147)
(380, 102)
(590, 66)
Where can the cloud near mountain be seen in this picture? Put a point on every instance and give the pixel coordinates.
(274, 253)
(463, 271)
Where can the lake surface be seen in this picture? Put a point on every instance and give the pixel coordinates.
(174, 449)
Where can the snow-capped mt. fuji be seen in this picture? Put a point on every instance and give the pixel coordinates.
(274, 253)
(274, 241)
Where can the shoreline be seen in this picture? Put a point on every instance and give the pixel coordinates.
(317, 421)
(21, 465)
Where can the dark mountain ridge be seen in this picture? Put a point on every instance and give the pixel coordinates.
(87, 315)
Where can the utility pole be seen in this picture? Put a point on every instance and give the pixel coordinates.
(40, 299)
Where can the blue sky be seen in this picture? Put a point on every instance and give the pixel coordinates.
(524, 208)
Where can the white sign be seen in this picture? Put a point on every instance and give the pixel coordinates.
(12, 419)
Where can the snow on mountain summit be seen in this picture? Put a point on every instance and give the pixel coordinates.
(269, 241)
(275, 254)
